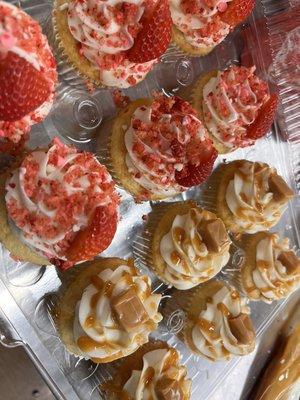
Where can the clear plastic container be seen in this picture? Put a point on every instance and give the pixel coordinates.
(28, 292)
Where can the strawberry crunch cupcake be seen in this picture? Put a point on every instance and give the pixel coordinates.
(200, 25)
(159, 148)
(235, 105)
(27, 76)
(58, 206)
(113, 42)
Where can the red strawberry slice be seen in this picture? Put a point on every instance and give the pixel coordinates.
(193, 175)
(237, 11)
(178, 150)
(264, 120)
(95, 238)
(22, 87)
(153, 39)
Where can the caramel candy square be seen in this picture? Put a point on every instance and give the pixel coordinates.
(214, 235)
(129, 310)
(290, 261)
(168, 389)
(241, 327)
(279, 188)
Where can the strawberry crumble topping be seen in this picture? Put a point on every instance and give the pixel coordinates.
(231, 103)
(201, 20)
(53, 194)
(164, 142)
(22, 37)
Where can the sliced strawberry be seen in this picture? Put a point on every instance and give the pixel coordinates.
(95, 238)
(154, 37)
(193, 175)
(264, 120)
(237, 11)
(178, 150)
(22, 87)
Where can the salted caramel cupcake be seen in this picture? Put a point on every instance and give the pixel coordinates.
(218, 323)
(107, 311)
(153, 371)
(235, 105)
(271, 269)
(159, 148)
(200, 25)
(189, 245)
(250, 196)
(58, 206)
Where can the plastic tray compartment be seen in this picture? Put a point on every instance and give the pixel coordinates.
(28, 292)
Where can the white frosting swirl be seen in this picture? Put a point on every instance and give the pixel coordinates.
(158, 181)
(230, 105)
(194, 26)
(105, 337)
(160, 364)
(250, 200)
(41, 191)
(188, 262)
(211, 335)
(270, 276)
(95, 25)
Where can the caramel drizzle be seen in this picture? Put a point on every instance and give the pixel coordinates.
(170, 360)
(224, 310)
(106, 289)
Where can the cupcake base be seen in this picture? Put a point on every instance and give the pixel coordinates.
(180, 41)
(9, 239)
(197, 103)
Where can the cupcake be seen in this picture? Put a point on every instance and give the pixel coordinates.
(235, 105)
(250, 196)
(200, 25)
(159, 148)
(152, 372)
(58, 206)
(113, 43)
(271, 270)
(218, 324)
(188, 244)
(108, 311)
(27, 77)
